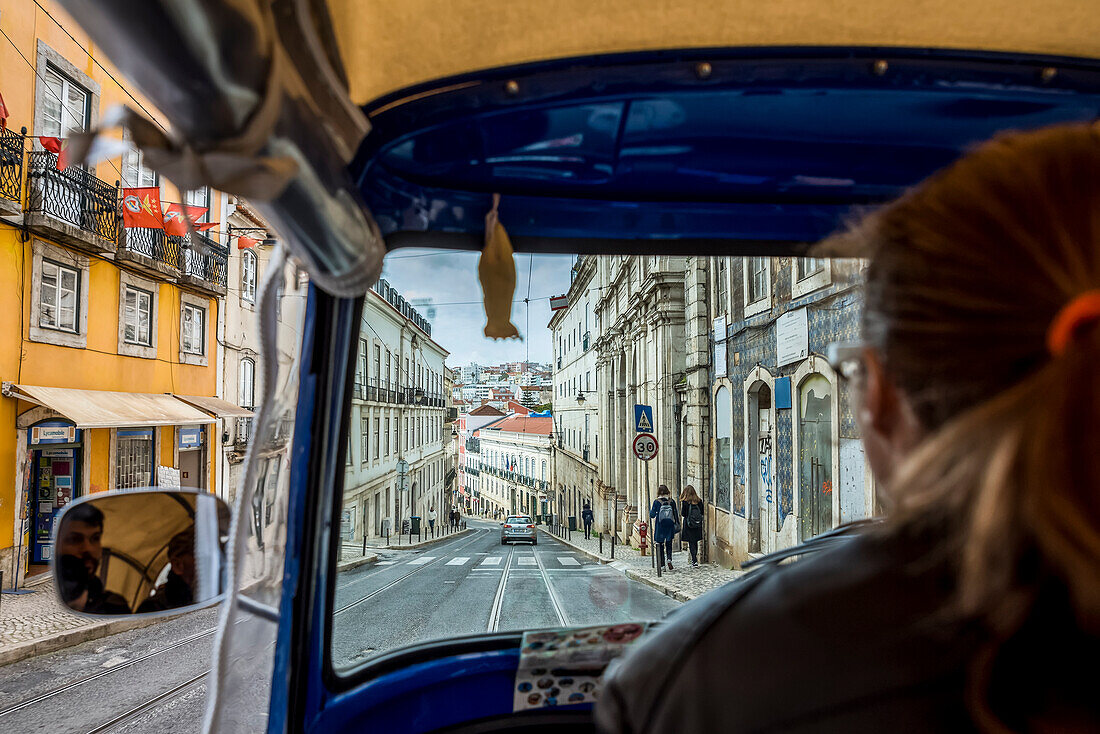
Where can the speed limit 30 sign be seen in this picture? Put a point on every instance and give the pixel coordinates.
(645, 446)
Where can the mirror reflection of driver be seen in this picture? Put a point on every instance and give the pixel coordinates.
(178, 589)
(80, 549)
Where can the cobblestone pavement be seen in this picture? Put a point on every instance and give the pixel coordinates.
(682, 583)
(36, 623)
(26, 617)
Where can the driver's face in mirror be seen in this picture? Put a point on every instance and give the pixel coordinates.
(80, 547)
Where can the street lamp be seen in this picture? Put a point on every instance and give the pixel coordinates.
(580, 395)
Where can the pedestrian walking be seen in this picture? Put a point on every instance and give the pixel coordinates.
(666, 523)
(691, 509)
(587, 516)
(431, 519)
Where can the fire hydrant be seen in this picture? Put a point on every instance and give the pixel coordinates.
(642, 529)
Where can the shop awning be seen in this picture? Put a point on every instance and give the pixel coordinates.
(106, 409)
(215, 406)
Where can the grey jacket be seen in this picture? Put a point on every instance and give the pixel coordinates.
(837, 642)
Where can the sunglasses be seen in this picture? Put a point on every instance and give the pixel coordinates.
(846, 358)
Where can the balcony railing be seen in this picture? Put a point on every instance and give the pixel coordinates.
(11, 165)
(73, 196)
(203, 258)
(244, 430)
(153, 244)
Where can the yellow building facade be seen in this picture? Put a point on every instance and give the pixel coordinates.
(100, 326)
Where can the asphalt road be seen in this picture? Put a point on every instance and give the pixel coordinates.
(472, 584)
(150, 679)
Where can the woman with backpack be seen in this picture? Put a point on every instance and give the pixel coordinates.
(666, 523)
(691, 509)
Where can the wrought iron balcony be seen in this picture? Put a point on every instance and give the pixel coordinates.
(204, 264)
(72, 206)
(151, 250)
(244, 431)
(11, 171)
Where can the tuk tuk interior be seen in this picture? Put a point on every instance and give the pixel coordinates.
(634, 133)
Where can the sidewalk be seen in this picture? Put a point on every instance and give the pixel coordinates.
(356, 552)
(36, 623)
(683, 584)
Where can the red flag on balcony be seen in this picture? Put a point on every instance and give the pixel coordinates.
(174, 222)
(59, 146)
(3, 114)
(244, 243)
(141, 208)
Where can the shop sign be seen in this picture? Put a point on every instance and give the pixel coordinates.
(57, 453)
(53, 433)
(189, 438)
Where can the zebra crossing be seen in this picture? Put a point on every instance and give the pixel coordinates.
(496, 562)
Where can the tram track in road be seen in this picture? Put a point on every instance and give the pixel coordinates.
(554, 600)
(498, 599)
(106, 671)
(450, 549)
(133, 713)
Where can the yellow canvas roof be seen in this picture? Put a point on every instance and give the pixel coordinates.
(388, 45)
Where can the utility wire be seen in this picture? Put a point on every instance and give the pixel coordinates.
(105, 71)
(46, 89)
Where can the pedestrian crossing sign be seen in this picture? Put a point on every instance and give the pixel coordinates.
(643, 419)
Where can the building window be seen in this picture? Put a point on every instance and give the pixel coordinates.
(377, 363)
(807, 266)
(246, 384)
(758, 278)
(810, 273)
(361, 371)
(67, 105)
(386, 452)
(134, 459)
(364, 438)
(138, 316)
(200, 197)
(723, 425)
(721, 285)
(134, 170)
(377, 438)
(396, 438)
(815, 456)
(193, 336)
(248, 276)
(60, 296)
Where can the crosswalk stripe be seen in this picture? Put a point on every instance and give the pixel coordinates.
(422, 560)
(494, 561)
(459, 561)
(568, 561)
(386, 563)
(527, 561)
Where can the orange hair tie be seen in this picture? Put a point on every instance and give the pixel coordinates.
(1075, 314)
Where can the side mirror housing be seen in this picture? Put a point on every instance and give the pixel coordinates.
(146, 551)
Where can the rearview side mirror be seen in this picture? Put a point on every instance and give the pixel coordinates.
(144, 551)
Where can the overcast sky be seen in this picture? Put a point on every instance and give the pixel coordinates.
(450, 279)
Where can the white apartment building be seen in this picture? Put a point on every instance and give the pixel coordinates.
(515, 466)
(398, 420)
(575, 400)
(469, 455)
(241, 372)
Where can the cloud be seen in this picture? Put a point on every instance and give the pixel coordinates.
(450, 280)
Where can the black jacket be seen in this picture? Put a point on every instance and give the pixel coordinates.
(837, 642)
(689, 533)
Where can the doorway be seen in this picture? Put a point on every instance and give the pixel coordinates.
(761, 468)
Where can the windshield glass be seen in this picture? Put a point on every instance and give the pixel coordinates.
(704, 375)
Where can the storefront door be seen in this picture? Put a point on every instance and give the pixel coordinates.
(192, 452)
(55, 480)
